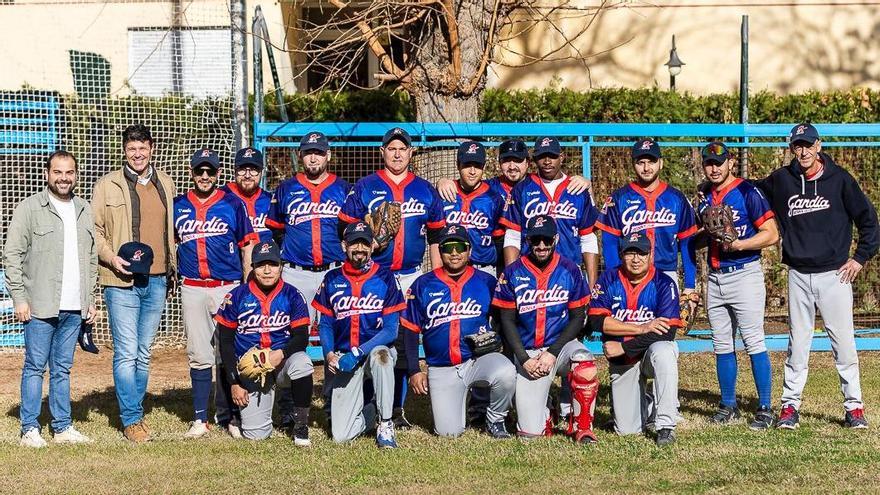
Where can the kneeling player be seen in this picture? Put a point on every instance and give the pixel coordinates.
(360, 305)
(636, 309)
(450, 305)
(542, 297)
(268, 314)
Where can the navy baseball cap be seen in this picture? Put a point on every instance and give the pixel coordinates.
(205, 156)
(138, 255)
(453, 233)
(637, 241)
(513, 148)
(314, 141)
(547, 145)
(715, 152)
(266, 251)
(541, 226)
(248, 157)
(646, 147)
(803, 133)
(396, 133)
(471, 152)
(358, 232)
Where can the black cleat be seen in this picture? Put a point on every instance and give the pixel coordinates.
(763, 419)
(497, 430)
(725, 415)
(399, 419)
(665, 436)
(855, 419)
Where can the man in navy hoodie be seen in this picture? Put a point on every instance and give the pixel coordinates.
(816, 204)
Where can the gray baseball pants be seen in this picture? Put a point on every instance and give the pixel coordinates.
(736, 301)
(629, 403)
(806, 292)
(347, 403)
(256, 416)
(448, 387)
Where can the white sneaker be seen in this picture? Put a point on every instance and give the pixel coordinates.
(197, 430)
(71, 435)
(32, 438)
(234, 431)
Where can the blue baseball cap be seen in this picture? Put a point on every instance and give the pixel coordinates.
(471, 152)
(358, 231)
(138, 255)
(248, 157)
(637, 241)
(715, 152)
(646, 147)
(205, 156)
(541, 226)
(453, 232)
(396, 133)
(547, 145)
(266, 251)
(314, 141)
(513, 148)
(803, 133)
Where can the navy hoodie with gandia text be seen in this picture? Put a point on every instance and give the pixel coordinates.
(816, 217)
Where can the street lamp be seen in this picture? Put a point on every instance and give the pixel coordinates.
(674, 65)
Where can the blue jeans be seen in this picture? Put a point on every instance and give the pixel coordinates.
(51, 342)
(134, 314)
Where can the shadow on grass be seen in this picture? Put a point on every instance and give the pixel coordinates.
(704, 402)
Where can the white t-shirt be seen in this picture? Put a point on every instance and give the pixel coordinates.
(70, 286)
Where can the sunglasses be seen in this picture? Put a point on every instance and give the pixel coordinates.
(206, 170)
(454, 247)
(538, 239)
(248, 171)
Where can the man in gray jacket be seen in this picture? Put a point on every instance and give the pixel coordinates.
(51, 271)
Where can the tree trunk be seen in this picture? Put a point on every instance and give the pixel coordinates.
(440, 108)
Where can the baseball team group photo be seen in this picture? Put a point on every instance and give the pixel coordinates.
(433, 246)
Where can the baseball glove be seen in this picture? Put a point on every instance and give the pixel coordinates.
(483, 343)
(385, 222)
(689, 303)
(255, 366)
(718, 222)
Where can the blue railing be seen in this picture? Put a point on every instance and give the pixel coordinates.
(30, 126)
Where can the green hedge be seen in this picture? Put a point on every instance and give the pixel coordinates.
(600, 105)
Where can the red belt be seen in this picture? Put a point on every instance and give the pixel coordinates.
(207, 282)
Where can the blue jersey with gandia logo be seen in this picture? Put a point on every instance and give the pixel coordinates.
(479, 212)
(256, 206)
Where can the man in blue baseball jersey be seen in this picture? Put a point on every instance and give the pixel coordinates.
(736, 289)
(360, 305)
(214, 241)
(542, 298)
(635, 307)
(268, 314)
(446, 306)
(476, 207)
(246, 186)
(421, 221)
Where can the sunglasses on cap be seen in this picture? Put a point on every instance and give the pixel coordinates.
(198, 172)
(538, 239)
(454, 247)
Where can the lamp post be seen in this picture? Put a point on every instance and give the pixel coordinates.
(674, 65)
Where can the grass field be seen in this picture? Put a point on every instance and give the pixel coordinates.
(819, 457)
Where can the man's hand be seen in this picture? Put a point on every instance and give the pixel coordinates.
(332, 361)
(532, 368)
(23, 312)
(170, 285)
(849, 270)
(579, 184)
(119, 265)
(735, 246)
(546, 362)
(276, 357)
(612, 349)
(419, 383)
(240, 396)
(91, 314)
(658, 325)
(447, 189)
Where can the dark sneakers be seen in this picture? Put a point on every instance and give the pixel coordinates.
(399, 419)
(855, 419)
(789, 419)
(763, 419)
(497, 430)
(725, 415)
(665, 436)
